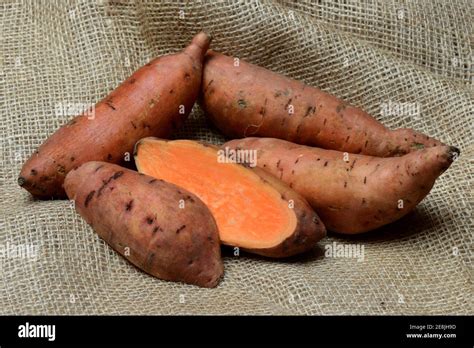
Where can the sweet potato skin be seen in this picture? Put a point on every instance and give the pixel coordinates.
(247, 100)
(352, 194)
(155, 100)
(135, 211)
(309, 228)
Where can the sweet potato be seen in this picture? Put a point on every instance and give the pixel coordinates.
(253, 210)
(159, 227)
(153, 101)
(351, 193)
(246, 100)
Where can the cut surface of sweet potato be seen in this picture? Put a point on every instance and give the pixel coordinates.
(250, 212)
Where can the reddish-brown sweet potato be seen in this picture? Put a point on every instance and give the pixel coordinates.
(351, 193)
(253, 210)
(246, 100)
(153, 101)
(159, 227)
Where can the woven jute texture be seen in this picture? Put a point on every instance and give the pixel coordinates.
(410, 64)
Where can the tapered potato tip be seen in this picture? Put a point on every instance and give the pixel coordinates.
(199, 45)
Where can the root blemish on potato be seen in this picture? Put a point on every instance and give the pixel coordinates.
(89, 197)
(129, 205)
(115, 176)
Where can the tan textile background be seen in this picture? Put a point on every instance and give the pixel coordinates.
(373, 52)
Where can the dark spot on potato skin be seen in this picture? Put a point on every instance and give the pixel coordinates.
(34, 172)
(187, 76)
(152, 181)
(149, 220)
(109, 157)
(88, 198)
(115, 176)
(241, 103)
(326, 163)
(72, 159)
(209, 84)
(99, 167)
(180, 229)
(309, 109)
(129, 205)
(353, 163)
(189, 198)
(108, 102)
(149, 260)
(133, 125)
(345, 184)
(365, 180)
(157, 229)
(132, 81)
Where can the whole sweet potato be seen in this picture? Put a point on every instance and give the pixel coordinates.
(351, 193)
(153, 101)
(245, 100)
(253, 210)
(159, 227)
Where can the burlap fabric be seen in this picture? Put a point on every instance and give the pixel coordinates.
(417, 54)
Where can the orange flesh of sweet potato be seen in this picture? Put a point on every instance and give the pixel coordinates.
(246, 100)
(141, 218)
(155, 100)
(356, 193)
(249, 212)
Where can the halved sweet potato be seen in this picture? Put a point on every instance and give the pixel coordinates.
(253, 210)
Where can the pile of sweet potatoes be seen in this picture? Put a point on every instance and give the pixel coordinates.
(320, 163)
